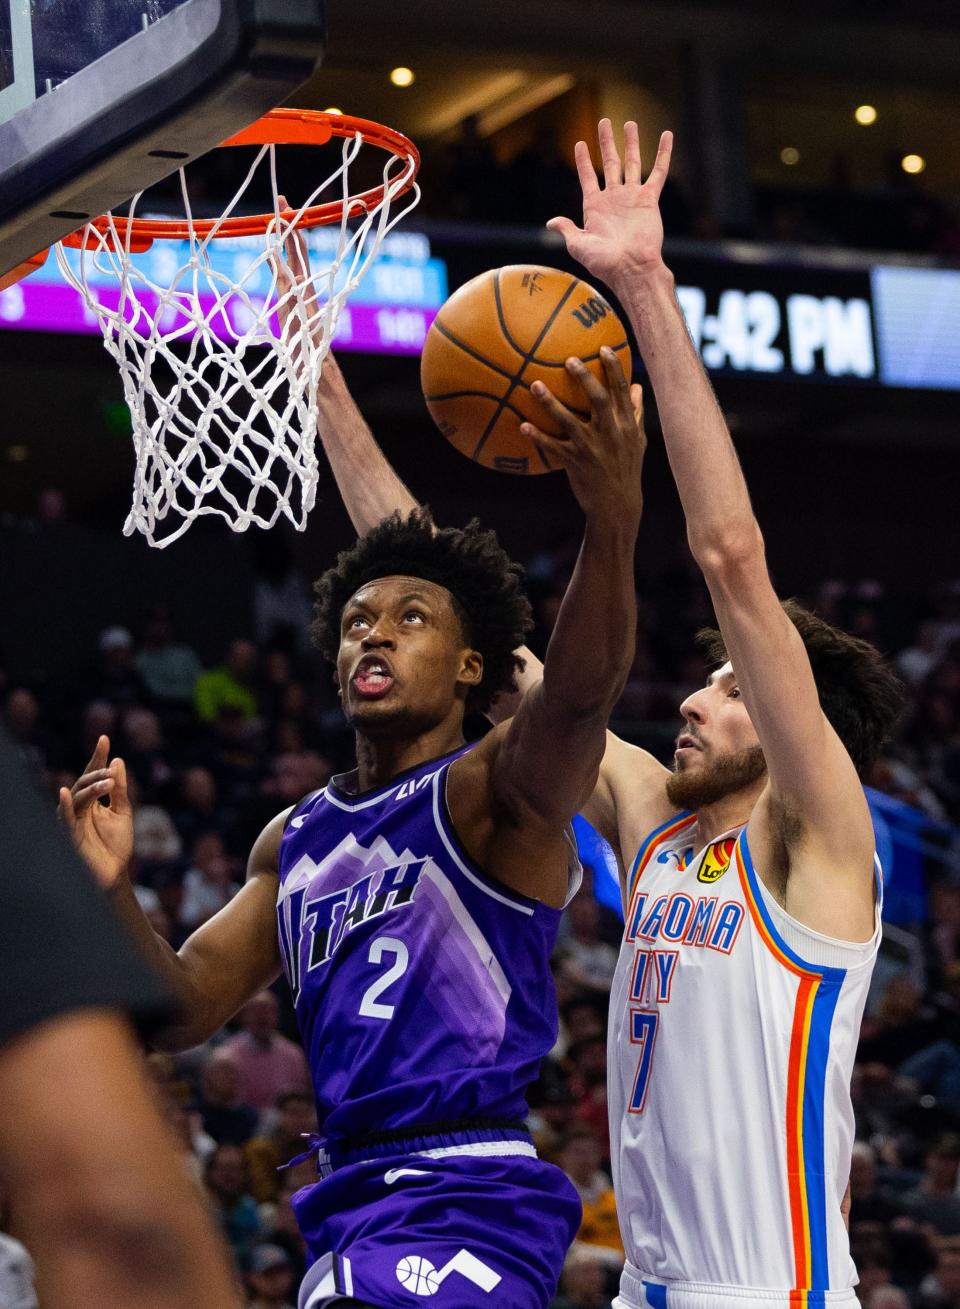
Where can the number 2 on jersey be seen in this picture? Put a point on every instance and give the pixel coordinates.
(643, 1032)
(370, 1006)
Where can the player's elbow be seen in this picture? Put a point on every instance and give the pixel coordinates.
(727, 553)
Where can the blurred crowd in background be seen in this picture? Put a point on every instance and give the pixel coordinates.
(467, 181)
(212, 753)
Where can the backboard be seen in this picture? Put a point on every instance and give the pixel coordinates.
(102, 98)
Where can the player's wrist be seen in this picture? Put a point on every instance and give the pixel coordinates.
(643, 279)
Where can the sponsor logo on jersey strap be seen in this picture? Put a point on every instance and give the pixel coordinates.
(421, 1278)
(716, 860)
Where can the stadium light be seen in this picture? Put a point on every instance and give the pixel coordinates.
(866, 115)
(402, 76)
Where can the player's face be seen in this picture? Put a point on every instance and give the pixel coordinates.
(404, 664)
(718, 751)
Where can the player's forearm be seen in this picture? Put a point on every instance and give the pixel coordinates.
(701, 454)
(594, 638)
(368, 485)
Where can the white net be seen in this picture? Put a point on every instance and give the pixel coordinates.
(220, 365)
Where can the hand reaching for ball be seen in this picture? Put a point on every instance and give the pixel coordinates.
(602, 455)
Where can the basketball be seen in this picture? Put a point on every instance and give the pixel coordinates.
(498, 334)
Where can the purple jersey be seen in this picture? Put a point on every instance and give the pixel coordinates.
(422, 987)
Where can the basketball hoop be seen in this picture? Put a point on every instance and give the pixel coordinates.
(217, 430)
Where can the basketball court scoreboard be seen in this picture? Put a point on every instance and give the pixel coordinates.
(389, 312)
(882, 325)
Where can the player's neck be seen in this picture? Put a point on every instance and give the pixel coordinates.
(725, 815)
(380, 759)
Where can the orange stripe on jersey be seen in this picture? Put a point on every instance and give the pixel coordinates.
(810, 981)
(796, 1173)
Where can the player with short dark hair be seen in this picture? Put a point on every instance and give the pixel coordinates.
(750, 883)
(419, 894)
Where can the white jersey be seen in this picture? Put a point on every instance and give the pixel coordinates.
(733, 1032)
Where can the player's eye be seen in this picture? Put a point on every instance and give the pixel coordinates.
(412, 616)
(357, 620)
(734, 693)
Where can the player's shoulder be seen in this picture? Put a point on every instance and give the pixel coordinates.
(265, 853)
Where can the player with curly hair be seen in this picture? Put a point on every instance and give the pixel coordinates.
(419, 894)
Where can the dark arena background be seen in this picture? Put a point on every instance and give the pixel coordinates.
(813, 224)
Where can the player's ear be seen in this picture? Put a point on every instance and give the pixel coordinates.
(471, 668)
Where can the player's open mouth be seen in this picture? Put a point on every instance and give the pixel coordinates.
(372, 678)
(686, 744)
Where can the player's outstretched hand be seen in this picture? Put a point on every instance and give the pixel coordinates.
(603, 457)
(622, 230)
(102, 833)
(292, 272)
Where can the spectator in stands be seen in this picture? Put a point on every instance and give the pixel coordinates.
(230, 686)
(208, 883)
(579, 1155)
(589, 962)
(902, 1025)
(16, 1270)
(114, 678)
(269, 1151)
(282, 1226)
(582, 1285)
(169, 668)
(552, 1108)
(871, 1203)
(144, 752)
(269, 1063)
(935, 1199)
(917, 660)
(941, 1290)
(587, 1059)
(873, 1267)
(236, 1210)
(224, 1114)
(270, 1278)
(21, 717)
(196, 807)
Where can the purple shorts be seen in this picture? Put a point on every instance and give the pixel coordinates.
(460, 1231)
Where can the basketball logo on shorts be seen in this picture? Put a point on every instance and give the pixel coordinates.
(418, 1275)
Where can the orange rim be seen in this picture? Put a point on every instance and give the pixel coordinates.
(278, 127)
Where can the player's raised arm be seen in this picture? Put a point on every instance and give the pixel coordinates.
(815, 794)
(230, 957)
(544, 763)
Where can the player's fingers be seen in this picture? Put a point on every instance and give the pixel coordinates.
(85, 796)
(120, 798)
(564, 227)
(631, 152)
(568, 423)
(636, 402)
(597, 395)
(661, 165)
(88, 778)
(65, 807)
(612, 175)
(556, 451)
(101, 752)
(585, 170)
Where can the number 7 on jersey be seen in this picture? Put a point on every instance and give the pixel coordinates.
(643, 1032)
